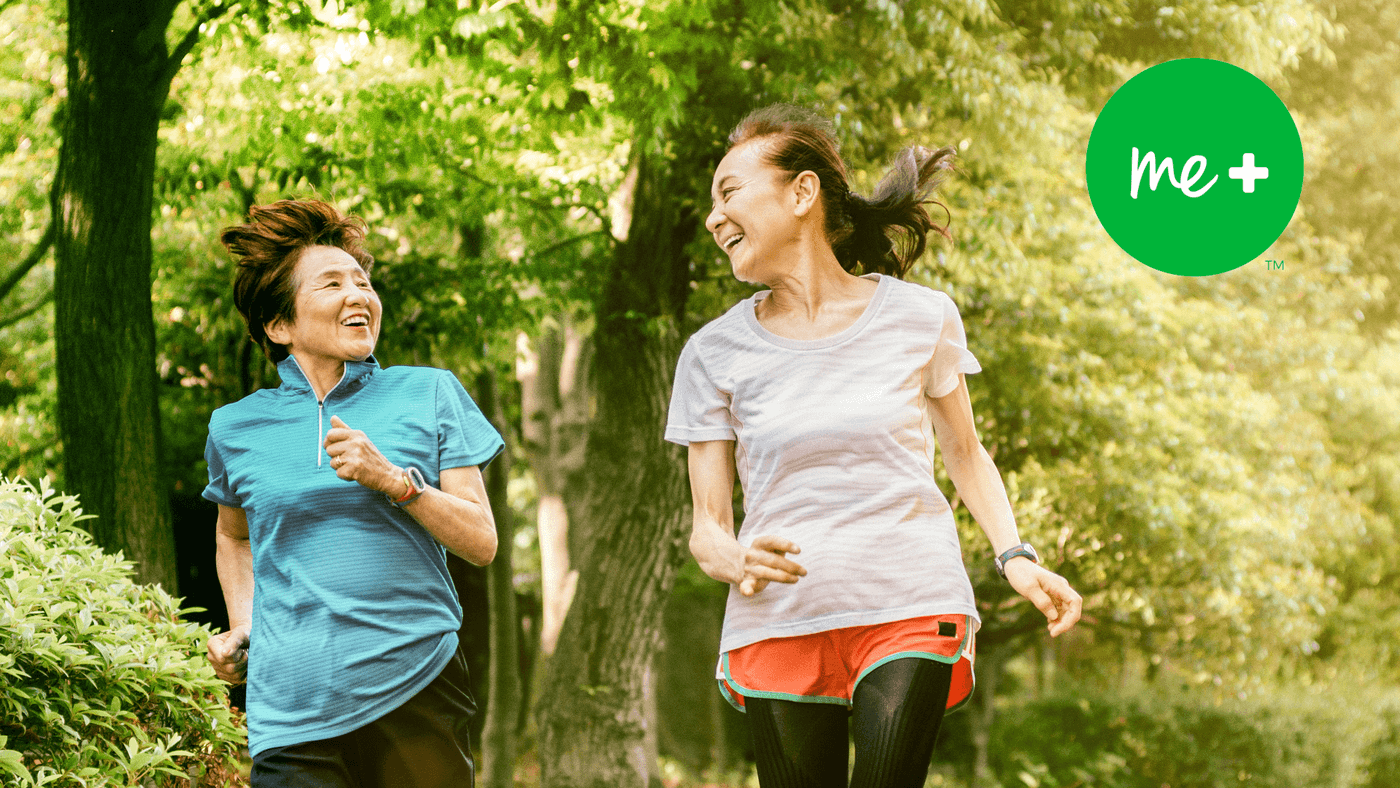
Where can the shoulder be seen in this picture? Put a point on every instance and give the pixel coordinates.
(409, 372)
(918, 295)
(406, 378)
(720, 329)
(252, 407)
(919, 307)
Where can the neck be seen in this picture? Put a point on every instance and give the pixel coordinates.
(814, 280)
(321, 372)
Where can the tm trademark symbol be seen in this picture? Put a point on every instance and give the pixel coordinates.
(1275, 265)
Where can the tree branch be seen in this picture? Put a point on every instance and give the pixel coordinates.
(11, 319)
(551, 249)
(187, 43)
(35, 255)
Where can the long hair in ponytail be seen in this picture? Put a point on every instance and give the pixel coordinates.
(884, 233)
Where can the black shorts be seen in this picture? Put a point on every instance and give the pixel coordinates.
(422, 744)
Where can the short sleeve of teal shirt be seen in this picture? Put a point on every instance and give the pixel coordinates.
(353, 608)
(464, 435)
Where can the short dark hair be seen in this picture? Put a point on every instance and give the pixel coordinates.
(858, 228)
(268, 247)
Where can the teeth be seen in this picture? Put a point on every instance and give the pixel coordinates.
(733, 241)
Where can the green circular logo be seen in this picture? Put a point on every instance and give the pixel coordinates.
(1194, 167)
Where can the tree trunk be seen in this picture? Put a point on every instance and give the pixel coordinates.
(593, 729)
(498, 738)
(108, 416)
(554, 419)
(989, 667)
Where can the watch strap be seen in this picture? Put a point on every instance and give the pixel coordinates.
(1020, 550)
(414, 484)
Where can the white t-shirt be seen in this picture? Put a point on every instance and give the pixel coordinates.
(834, 449)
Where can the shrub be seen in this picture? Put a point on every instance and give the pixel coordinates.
(101, 683)
(1287, 741)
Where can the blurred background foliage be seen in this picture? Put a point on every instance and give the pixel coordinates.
(1214, 463)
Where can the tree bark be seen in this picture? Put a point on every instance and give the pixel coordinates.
(554, 419)
(498, 737)
(989, 667)
(593, 729)
(119, 74)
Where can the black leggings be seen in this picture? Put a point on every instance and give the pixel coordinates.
(894, 718)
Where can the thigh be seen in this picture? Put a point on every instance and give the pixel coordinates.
(896, 711)
(317, 764)
(425, 743)
(798, 745)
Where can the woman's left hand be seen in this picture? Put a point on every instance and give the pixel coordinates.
(355, 458)
(1049, 592)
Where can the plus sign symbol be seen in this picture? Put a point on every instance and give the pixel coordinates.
(1194, 167)
(1249, 173)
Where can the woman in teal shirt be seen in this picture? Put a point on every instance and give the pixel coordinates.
(339, 493)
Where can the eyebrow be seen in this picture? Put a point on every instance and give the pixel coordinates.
(719, 187)
(340, 271)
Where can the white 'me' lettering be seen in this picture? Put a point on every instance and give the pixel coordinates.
(1192, 172)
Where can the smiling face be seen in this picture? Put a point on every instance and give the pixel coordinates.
(337, 311)
(756, 213)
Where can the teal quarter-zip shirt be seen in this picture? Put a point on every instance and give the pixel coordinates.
(353, 609)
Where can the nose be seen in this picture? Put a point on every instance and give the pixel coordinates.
(356, 295)
(714, 220)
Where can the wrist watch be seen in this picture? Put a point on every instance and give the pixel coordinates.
(1022, 549)
(414, 483)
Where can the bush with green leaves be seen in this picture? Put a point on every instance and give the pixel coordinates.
(101, 682)
(1290, 740)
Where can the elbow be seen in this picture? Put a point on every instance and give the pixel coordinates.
(966, 453)
(483, 551)
(488, 548)
(226, 545)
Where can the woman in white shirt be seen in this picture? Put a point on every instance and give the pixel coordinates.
(823, 396)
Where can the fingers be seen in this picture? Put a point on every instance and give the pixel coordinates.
(228, 655)
(1050, 593)
(769, 550)
(773, 573)
(1042, 602)
(774, 543)
(354, 457)
(765, 562)
(339, 432)
(1067, 602)
(776, 561)
(224, 644)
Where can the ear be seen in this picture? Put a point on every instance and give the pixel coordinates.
(278, 331)
(806, 192)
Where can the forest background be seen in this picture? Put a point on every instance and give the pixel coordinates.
(1214, 463)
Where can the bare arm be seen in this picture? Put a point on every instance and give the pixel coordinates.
(979, 484)
(458, 515)
(712, 539)
(227, 651)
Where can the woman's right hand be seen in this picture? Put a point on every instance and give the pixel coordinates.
(228, 653)
(766, 561)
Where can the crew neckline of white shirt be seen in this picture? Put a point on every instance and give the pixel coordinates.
(750, 317)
